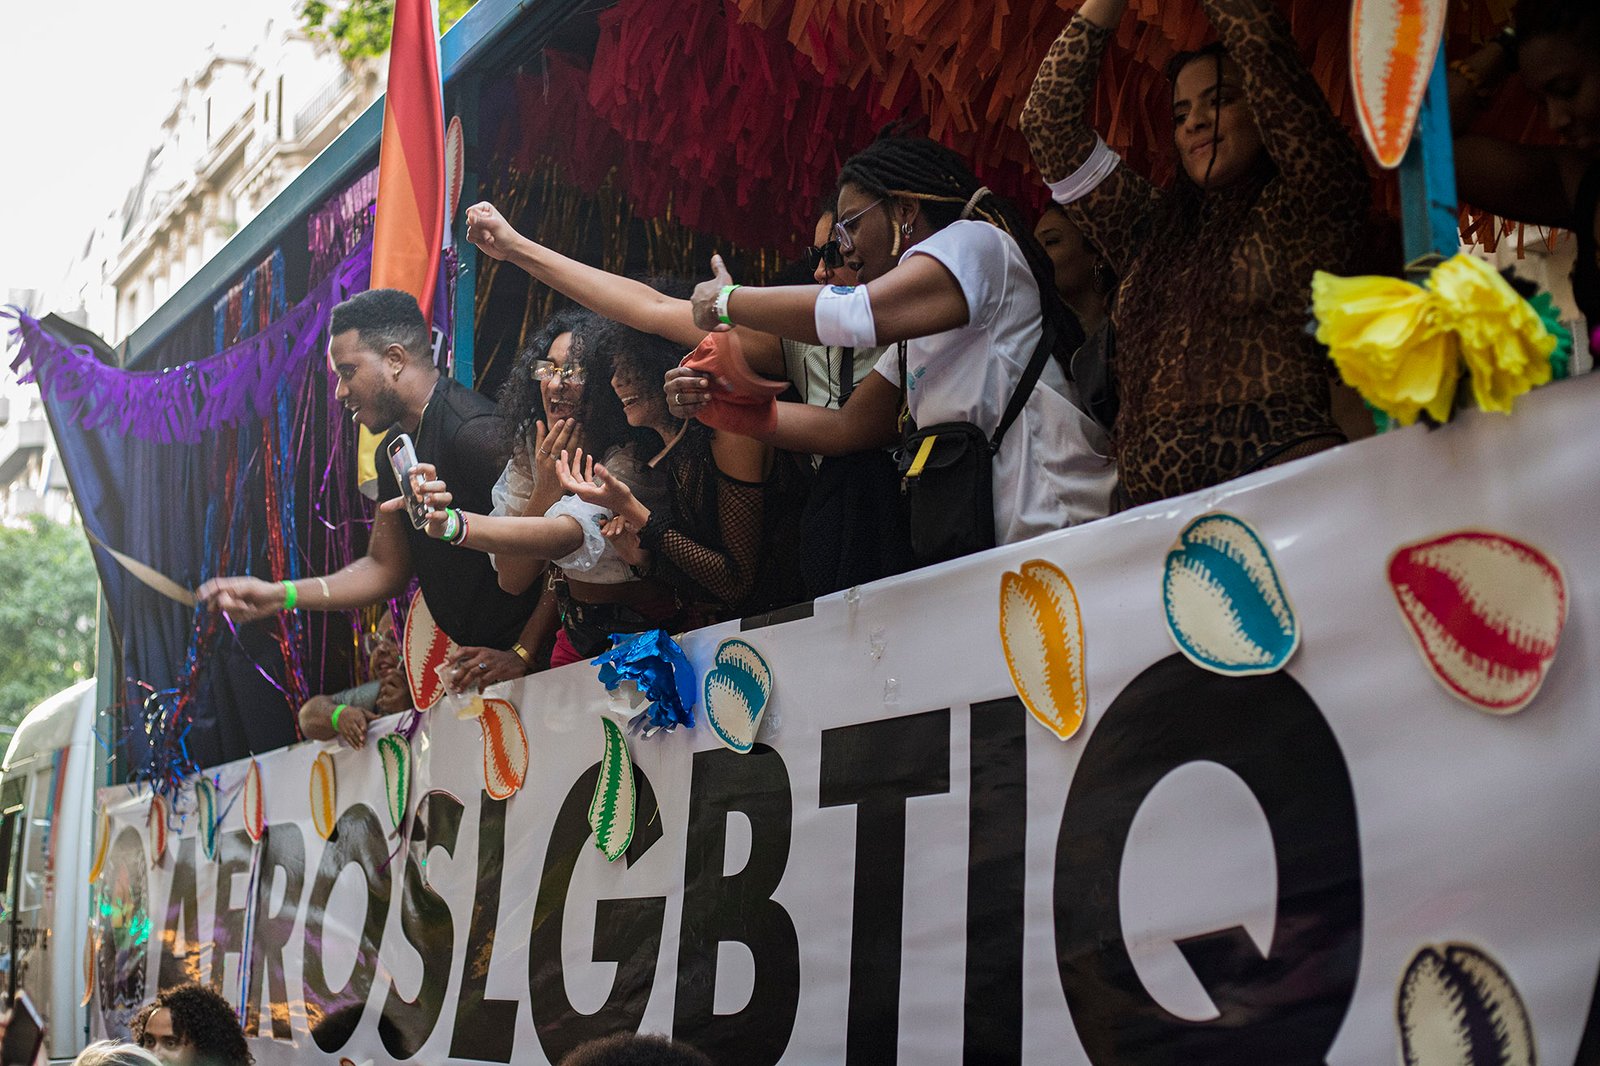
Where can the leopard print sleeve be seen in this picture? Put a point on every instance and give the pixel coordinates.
(1315, 156)
(1055, 122)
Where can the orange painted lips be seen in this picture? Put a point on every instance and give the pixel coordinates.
(324, 795)
(505, 749)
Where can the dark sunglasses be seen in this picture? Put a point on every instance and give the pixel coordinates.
(829, 253)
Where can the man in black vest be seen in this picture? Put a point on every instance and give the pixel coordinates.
(379, 350)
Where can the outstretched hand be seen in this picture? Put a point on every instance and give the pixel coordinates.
(705, 298)
(592, 482)
(243, 599)
(488, 229)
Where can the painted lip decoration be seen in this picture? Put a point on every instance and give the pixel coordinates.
(1041, 630)
(1226, 608)
(155, 821)
(255, 812)
(205, 813)
(1458, 1007)
(324, 796)
(735, 692)
(505, 749)
(395, 754)
(1486, 611)
(1392, 48)
(427, 651)
(611, 812)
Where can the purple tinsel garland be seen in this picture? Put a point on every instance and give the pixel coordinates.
(179, 404)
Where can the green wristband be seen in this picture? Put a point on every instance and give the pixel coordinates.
(337, 707)
(291, 596)
(722, 304)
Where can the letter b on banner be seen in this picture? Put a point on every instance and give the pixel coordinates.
(1284, 1008)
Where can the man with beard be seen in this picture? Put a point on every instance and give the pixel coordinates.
(379, 351)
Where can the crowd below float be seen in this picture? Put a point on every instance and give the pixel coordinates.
(957, 376)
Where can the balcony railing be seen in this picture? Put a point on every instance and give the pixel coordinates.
(317, 108)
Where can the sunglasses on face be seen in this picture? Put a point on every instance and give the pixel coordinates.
(829, 253)
(546, 371)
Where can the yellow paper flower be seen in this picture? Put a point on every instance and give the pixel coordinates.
(1504, 344)
(1388, 343)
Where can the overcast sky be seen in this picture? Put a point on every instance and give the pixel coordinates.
(84, 85)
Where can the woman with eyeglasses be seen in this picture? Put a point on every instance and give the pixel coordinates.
(853, 524)
(955, 287)
(1217, 375)
(564, 374)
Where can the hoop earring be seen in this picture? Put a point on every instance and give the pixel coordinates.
(905, 229)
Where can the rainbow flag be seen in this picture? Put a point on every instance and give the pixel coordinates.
(409, 230)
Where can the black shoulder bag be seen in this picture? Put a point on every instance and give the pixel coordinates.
(947, 471)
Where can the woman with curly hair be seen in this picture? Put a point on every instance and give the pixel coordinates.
(535, 524)
(190, 1025)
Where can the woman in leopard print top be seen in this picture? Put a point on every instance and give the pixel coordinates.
(1216, 373)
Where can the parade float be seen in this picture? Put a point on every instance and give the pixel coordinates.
(1294, 769)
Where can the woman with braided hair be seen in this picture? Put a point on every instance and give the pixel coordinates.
(952, 282)
(1215, 373)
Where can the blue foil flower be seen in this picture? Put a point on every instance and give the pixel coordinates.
(654, 662)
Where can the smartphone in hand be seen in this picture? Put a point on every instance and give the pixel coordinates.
(402, 457)
(24, 1035)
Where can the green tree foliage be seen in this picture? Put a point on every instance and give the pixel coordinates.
(360, 28)
(47, 613)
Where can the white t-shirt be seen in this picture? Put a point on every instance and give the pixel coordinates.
(1053, 469)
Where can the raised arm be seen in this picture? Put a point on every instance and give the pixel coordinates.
(1316, 158)
(1056, 122)
(620, 299)
(917, 298)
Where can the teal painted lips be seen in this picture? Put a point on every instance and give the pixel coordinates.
(735, 693)
(1226, 608)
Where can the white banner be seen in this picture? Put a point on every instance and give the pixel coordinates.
(1344, 861)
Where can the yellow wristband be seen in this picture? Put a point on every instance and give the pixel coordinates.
(522, 653)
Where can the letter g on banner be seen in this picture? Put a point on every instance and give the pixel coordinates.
(1284, 1008)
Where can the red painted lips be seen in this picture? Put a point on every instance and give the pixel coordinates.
(1486, 611)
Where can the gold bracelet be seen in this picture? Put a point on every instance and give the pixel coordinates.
(522, 653)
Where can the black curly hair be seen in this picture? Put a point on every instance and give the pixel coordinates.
(520, 403)
(918, 168)
(599, 411)
(202, 1018)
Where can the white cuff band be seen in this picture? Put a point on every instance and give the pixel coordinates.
(844, 317)
(1083, 181)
